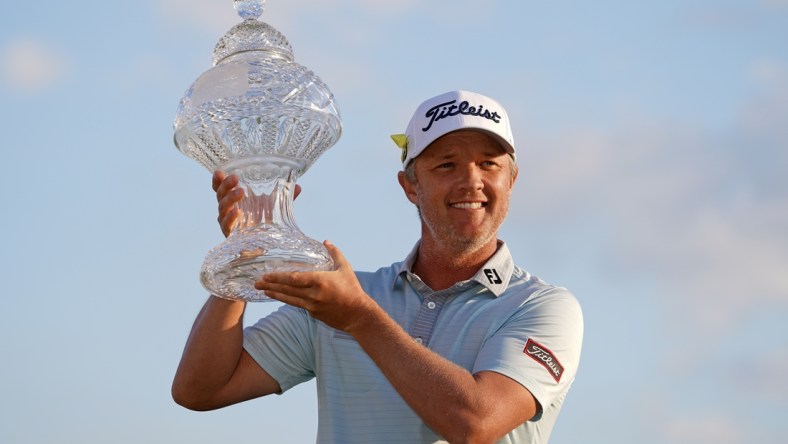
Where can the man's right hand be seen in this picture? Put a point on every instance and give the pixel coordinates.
(228, 194)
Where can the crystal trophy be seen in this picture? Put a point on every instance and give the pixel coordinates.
(261, 116)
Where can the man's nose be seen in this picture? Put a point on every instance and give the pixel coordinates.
(472, 178)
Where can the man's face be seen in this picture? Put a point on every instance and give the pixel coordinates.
(463, 184)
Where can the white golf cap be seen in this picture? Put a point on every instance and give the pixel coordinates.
(454, 111)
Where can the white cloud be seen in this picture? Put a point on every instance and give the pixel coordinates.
(764, 375)
(728, 265)
(766, 113)
(769, 71)
(144, 71)
(218, 16)
(352, 17)
(703, 430)
(30, 65)
(211, 16)
(378, 8)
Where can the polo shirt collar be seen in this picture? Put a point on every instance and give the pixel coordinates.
(494, 274)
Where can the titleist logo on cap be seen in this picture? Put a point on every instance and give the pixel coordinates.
(453, 111)
(448, 109)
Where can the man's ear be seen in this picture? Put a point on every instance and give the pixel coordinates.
(407, 186)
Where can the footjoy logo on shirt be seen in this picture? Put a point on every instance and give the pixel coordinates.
(545, 357)
(448, 109)
(492, 275)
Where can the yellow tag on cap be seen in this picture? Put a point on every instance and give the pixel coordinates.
(402, 142)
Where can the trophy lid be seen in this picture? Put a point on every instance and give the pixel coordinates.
(252, 35)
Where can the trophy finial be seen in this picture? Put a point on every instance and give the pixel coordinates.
(252, 34)
(249, 9)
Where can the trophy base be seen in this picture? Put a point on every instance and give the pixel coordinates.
(231, 268)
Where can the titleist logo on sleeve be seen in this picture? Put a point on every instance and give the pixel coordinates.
(545, 357)
(448, 109)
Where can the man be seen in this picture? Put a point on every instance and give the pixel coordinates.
(453, 344)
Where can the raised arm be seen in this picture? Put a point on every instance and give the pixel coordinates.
(214, 370)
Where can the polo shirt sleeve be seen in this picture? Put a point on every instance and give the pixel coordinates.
(281, 343)
(539, 346)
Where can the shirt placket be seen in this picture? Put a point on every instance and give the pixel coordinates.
(426, 318)
(431, 306)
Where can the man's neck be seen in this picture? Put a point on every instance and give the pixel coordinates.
(441, 267)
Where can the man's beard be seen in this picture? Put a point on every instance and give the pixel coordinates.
(456, 242)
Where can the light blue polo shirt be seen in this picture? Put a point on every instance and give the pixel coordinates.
(503, 319)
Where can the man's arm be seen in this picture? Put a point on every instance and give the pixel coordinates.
(458, 405)
(214, 370)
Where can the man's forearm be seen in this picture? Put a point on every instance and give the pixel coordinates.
(212, 352)
(446, 396)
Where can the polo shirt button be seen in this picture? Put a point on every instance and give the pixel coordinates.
(431, 305)
(419, 340)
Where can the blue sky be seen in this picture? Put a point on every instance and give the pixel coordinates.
(653, 145)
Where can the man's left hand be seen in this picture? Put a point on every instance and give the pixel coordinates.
(333, 297)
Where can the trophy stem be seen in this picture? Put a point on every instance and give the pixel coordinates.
(269, 185)
(267, 237)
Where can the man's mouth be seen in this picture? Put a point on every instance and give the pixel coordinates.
(469, 205)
